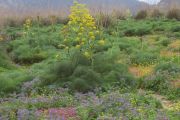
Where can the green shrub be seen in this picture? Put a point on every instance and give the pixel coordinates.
(56, 72)
(126, 47)
(138, 31)
(4, 60)
(78, 58)
(113, 73)
(158, 81)
(11, 80)
(175, 29)
(165, 42)
(100, 48)
(130, 32)
(26, 55)
(171, 68)
(120, 79)
(143, 58)
(84, 79)
(143, 31)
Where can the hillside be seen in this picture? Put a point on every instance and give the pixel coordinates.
(164, 4)
(21, 5)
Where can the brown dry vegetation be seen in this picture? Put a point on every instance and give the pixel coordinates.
(12, 18)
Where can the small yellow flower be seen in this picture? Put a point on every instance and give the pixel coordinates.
(97, 32)
(78, 46)
(92, 37)
(82, 43)
(87, 54)
(65, 40)
(82, 29)
(66, 47)
(83, 40)
(57, 56)
(79, 34)
(101, 42)
(61, 46)
(1, 38)
(91, 34)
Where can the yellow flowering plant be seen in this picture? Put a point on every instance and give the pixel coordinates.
(27, 25)
(81, 31)
(1, 38)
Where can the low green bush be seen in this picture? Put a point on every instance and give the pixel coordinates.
(26, 55)
(4, 61)
(138, 31)
(175, 29)
(171, 68)
(84, 79)
(158, 81)
(143, 58)
(165, 42)
(12, 79)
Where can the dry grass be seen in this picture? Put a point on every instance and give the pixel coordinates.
(165, 53)
(13, 18)
(175, 44)
(140, 71)
(176, 83)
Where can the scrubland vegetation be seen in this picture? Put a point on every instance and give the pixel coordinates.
(107, 67)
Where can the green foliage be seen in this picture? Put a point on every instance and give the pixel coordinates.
(160, 80)
(171, 68)
(113, 73)
(176, 29)
(143, 58)
(4, 60)
(138, 30)
(165, 42)
(12, 79)
(85, 79)
(157, 82)
(34, 48)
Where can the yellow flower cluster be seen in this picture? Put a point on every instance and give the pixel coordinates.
(81, 29)
(175, 107)
(1, 38)
(27, 25)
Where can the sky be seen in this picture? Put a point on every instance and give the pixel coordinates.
(151, 1)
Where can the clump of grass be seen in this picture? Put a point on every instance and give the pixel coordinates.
(144, 58)
(161, 80)
(12, 79)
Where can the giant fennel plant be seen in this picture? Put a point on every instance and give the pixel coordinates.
(81, 31)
